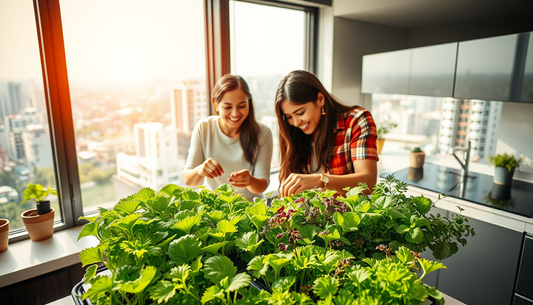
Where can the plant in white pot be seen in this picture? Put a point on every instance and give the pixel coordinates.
(504, 167)
(39, 221)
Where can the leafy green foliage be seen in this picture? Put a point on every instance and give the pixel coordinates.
(37, 193)
(384, 128)
(506, 160)
(171, 246)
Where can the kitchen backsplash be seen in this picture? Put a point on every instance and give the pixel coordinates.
(516, 135)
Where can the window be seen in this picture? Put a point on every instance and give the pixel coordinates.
(131, 67)
(135, 77)
(423, 122)
(254, 39)
(25, 140)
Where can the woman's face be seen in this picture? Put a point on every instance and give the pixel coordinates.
(304, 116)
(233, 109)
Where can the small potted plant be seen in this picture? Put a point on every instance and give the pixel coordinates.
(39, 221)
(382, 130)
(417, 157)
(4, 234)
(504, 167)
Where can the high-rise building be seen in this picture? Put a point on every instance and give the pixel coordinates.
(470, 120)
(14, 126)
(14, 101)
(188, 104)
(36, 142)
(155, 164)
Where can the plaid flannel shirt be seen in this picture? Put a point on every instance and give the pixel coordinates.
(355, 139)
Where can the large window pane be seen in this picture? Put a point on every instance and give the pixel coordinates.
(267, 43)
(438, 124)
(25, 146)
(137, 82)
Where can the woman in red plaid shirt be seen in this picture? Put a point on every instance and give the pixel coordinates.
(323, 143)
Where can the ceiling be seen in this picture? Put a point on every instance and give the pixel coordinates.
(411, 14)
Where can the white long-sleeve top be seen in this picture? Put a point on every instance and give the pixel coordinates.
(208, 141)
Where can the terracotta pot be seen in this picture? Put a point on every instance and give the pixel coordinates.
(417, 159)
(4, 234)
(40, 227)
(379, 144)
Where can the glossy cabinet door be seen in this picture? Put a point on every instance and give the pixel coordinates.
(527, 82)
(483, 272)
(431, 278)
(386, 72)
(524, 283)
(485, 68)
(433, 70)
(521, 300)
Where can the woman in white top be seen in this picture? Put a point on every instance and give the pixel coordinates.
(231, 147)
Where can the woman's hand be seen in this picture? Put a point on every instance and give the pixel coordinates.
(210, 169)
(296, 183)
(240, 178)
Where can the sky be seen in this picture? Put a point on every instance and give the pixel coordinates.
(132, 42)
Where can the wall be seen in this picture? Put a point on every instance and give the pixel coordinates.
(351, 40)
(515, 135)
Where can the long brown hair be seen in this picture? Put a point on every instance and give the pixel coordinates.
(249, 130)
(301, 87)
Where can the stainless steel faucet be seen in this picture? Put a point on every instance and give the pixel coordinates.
(464, 166)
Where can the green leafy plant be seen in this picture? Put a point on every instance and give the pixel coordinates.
(385, 128)
(417, 149)
(185, 246)
(506, 160)
(359, 224)
(37, 193)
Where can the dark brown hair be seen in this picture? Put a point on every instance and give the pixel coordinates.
(249, 131)
(301, 87)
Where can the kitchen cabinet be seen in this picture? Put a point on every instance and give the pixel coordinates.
(485, 68)
(427, 71)
(496, 69)
(524, 282)
(387, 72)
(484, 271)
(432, 70)
(520, 300)
(493, 69)
(431, 278)
(527, 83)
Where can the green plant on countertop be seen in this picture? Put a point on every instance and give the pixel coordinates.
(185, 246)
(384, 128)
(417, 149)
(37, 193)
(506, 160)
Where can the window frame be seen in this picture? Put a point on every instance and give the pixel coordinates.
(57, 91)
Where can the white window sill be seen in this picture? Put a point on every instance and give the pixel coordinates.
(27, 259)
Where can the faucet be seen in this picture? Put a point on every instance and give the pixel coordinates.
(464, 166)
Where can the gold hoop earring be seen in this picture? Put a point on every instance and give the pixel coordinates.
(323, 111)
